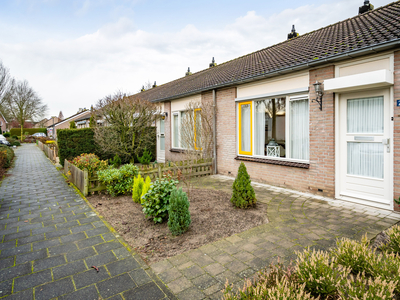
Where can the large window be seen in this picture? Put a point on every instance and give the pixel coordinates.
(178, 121)
(280, 128)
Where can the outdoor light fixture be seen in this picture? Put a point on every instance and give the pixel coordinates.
(164, 115)
(319, 93)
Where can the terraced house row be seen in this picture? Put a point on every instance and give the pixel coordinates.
(318, 112)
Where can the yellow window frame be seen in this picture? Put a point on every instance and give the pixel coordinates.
(240, 128)
(195, 146)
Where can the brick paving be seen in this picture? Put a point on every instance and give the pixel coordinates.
(50, 238)
(296, 221)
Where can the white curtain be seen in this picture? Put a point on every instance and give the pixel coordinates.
(299, 130)
(365, 159)
(259, 138)
(365, 115)
(162, 136)
(246, 127)
(176, 131)
(183, 115)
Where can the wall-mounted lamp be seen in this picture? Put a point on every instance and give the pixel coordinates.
(319, 93)
(164, 115)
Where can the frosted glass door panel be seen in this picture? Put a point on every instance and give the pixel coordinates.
(365, 159)
(246, 127)
(365, 115)
(299, 132)
(162, 136)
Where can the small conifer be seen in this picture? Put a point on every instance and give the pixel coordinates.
(137, 188)
(178, 212)
(243, 195)
(146, 187)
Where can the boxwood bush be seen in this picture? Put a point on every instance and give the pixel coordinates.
(118, 181)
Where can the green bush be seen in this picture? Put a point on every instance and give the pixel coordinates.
(118, 181)
(6, 134)
(90, 162)
(74, 142)
(137, 188)
(156, 200)
(146, 158)
(72, 125)
(146, 187)
(357, 256)
(362, 287)
(116, 161)
(27, 131)
(9, 157)
(15, 137)
(16, 143)
(178, 212)
(393, 245)
(319, 272)
(243, 195)
(387, 267)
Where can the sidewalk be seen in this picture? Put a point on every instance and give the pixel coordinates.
(50, 239)
(296, 221)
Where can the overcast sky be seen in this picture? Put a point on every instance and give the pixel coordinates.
(74, 52)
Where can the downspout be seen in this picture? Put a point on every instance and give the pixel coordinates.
(214, 131)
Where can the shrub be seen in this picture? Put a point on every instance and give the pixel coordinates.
(146, 158)
(156, 200)
(319, 272)
(72, 125)
(16, 143)
(361, 287)
(90, 162)
(10, 155)
(27, 131)
(243, 193)
(15, 137)
(6, 134)
(116, 161)
(3, 158)
(178, 212)
(118, 181)
(138, 184)
(74, 142)
(387, 267)
(146, 187)
(393, 245)
(355, 255)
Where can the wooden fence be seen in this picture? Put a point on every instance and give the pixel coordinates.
(183, 169)
(51, 153)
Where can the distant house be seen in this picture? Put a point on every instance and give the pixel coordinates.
(316, 113)
(81, 114)
(3, 123)
(47, 122)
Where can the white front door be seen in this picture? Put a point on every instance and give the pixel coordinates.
(161, 140)
(365, 150)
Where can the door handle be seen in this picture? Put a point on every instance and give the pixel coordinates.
(386, 142)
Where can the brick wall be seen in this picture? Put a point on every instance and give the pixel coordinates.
(320, 175)
(396, 133)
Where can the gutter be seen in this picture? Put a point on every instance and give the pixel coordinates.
(215, 130)
(303, 66)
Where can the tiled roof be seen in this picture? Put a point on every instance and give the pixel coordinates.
(375, 28)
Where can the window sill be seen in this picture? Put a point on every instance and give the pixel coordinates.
(176, 150)
(275, 162)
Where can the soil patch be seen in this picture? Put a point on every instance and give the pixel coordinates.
(213, 218)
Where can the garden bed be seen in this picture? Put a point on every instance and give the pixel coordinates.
(212, 214)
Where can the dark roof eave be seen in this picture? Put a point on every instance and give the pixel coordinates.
(351, 54)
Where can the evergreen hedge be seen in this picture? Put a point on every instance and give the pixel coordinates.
(74, 142)
(17, 131)
(243, 195)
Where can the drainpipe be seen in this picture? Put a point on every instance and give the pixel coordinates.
(215, 131)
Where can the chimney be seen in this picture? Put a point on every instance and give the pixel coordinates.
(188, 72)
(155, 84)
(213, 63)
(366, 7)
(292, 34)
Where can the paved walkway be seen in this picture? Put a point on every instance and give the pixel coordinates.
(297, 221)
(50, 238)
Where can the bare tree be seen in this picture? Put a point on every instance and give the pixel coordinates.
(128, 120)
(196, 136)
(5, 81)
(22, 103)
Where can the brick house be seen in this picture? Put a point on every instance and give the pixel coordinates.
(267, 117)
(3, 123)
(64, 124)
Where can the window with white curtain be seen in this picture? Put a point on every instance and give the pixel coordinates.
(280, 125)
(176, 130)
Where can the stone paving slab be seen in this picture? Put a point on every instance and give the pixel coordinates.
(296, 221)
(50, 238)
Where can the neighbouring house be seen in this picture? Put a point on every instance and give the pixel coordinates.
(318, 112)
(47, 122)
(64, 124)
(3, 123)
